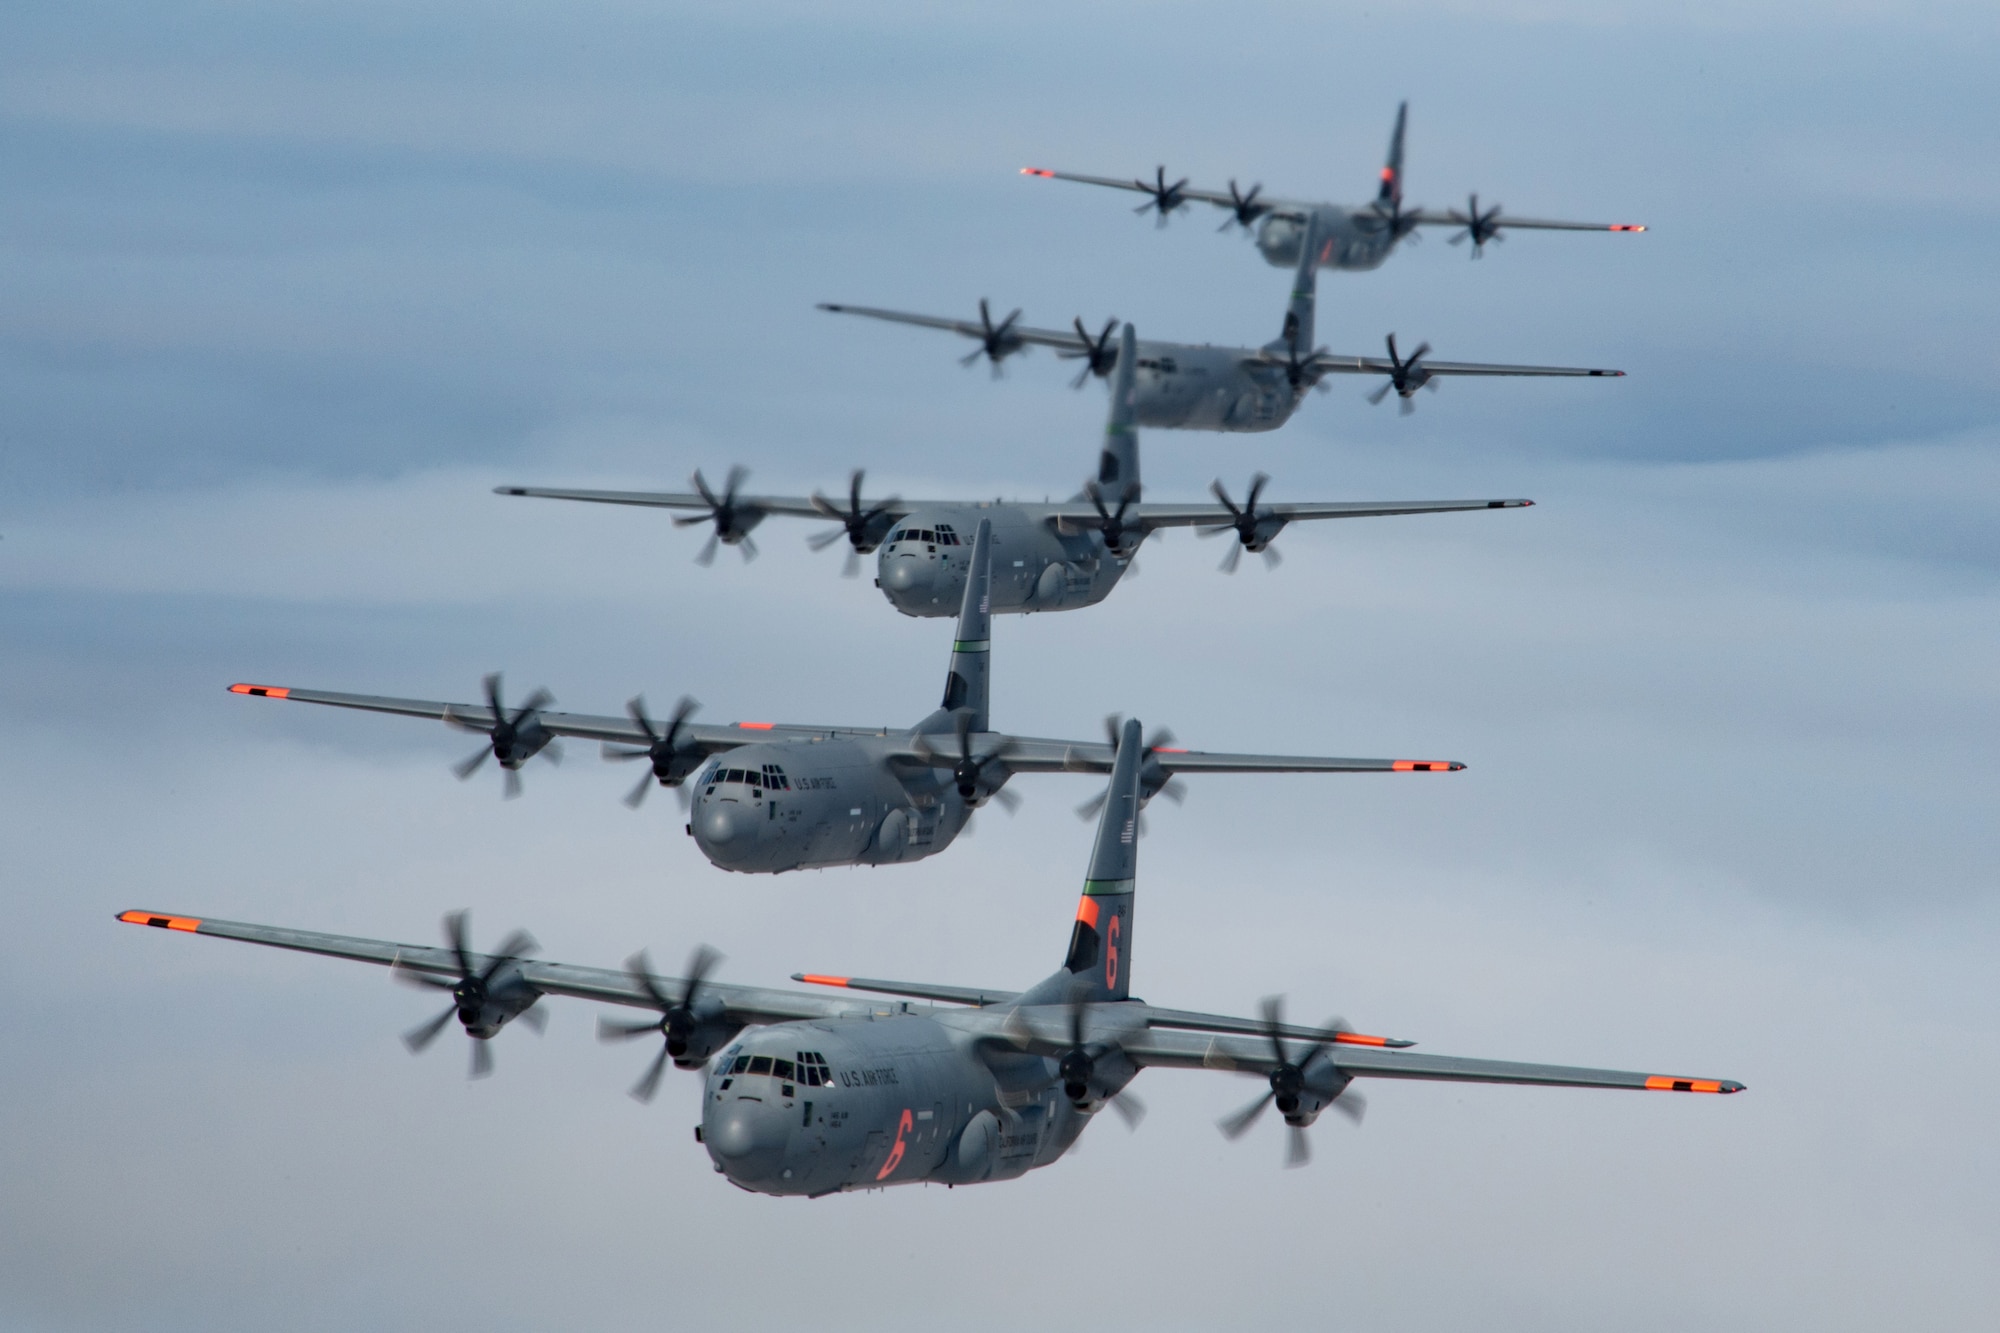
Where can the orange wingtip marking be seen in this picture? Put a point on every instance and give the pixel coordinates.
(756, 726)
(1036, 171)
(1169, 749)
(1662, 1083)
(816, 980)
(1625, 226)
(262, 691)
(163, 922)
(1359, 1039)
(1086, 911)
(1425, 766)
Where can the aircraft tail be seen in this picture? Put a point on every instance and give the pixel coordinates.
(1390, 192)
(1118, 463)
(966, 684)
(1100, 944)
(1296, 338)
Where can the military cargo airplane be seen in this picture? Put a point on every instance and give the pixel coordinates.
(773, 797)
(1200, 386)
(816, 1094)
(1046, 557)
(1362, 236)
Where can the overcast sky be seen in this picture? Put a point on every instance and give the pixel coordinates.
(284, 290)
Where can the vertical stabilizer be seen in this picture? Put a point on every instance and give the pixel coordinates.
(1118, 464)
(1390, 194)
(1100, 946)
(1296, 338)
(965, 685)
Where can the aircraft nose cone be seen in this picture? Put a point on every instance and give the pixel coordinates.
(719, 823)
(903, 574)
(748, 1136)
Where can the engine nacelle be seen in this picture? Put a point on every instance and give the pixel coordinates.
(1318, 1084)
(693, 1037)
(483, 1009)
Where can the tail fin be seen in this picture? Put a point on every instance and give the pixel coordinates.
(1391, 191)
(965, 685)
(1118, 463)
(1100, 945)
(1296, 338)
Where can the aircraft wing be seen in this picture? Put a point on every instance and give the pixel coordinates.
(1329, 364)
(1026, 754)
(745, 1004)
(1195, 1050)
(1283, 208)
(622, 730)
(1066, 339)
(1077, 514)
(1430, 217)
(797, 506)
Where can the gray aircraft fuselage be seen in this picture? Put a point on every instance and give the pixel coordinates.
(1200, 386)
(794, 805)
(1035, 566)
(1360, 241)
(906, 1100)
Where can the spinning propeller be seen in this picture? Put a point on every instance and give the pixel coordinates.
(662, 748)
(1254, 531)
(1399, 222)
(1097, 354)
(475, 993)
(1244, 210)
(677, 1020)
(1153, 779)
(515, 737)
(1118, 539)
(968, 770)
(1479, 227)
(1165, 198)
(863, 528)
(1289, 1081)
(1405, 377)
(1079, 1063)
(997, 342)
(732, 522)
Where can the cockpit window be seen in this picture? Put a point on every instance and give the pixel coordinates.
(742, 1064)
(782, 1068)
(760, 1064)
(813, 1071)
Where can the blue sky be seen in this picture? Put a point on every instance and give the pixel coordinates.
(285, 291)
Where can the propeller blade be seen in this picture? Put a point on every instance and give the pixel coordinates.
(482, 1059)
(819, 541)
(1229, 562)
(1405, 407)
(1237, 1125)
(649, 1082)
(1381, 393)
(421, 1036)
(410, 976)
(465, 768)
(1352, 1105)
(536, 1018)
(1174, 790)
(707, 556)
(1088, 810)
(618, 754)
(851, 567)
(748, 548)
(1272, 558)
(553, 752)
(637, 796)
(1298, 1148)
(1010, 801)
(618, 1029)
(513, 784)
(518, 945)
(1129, 1108)
(737, 475)
(455, 936)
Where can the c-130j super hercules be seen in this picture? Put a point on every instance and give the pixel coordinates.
(816, 1094)
(772, 797)
(1046, 556)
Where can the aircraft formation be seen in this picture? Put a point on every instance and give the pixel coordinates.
(864, 1083)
